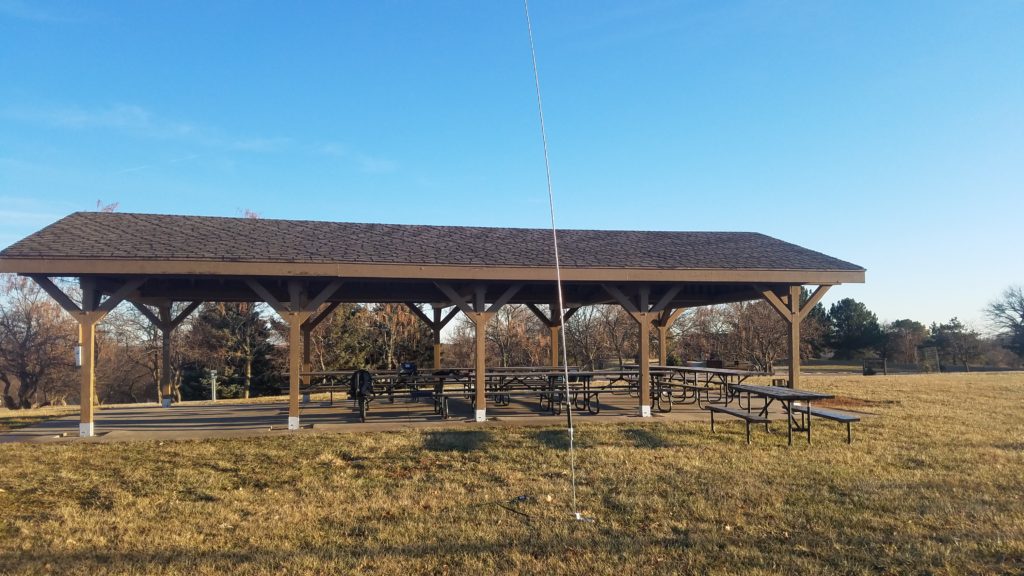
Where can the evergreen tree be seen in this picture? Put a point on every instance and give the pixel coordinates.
(855, 332)
(957, 344)
(235, 340)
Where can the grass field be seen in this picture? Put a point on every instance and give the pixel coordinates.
(11, 419)
(933, 484)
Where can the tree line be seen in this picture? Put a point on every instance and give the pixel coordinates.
(244, 344)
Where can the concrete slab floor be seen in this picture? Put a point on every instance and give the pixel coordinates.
(232, 419)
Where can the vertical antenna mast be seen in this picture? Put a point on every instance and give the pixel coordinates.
(558, 267)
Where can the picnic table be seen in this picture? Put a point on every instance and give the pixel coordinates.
(330, 381)
(545, 383)
(696, 382)
(786, 397)
(581, 392)
(501, 385)
(394, 384)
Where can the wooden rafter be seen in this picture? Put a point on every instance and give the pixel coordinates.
(56, 293)
(192, 306)
(324, 294)
(448, 317)
(265, 295)
(569, 312)
(544, 318)
(816, 297)
(772, 298)
(621, 298)
(415, 309)
(322, 315)
(667, 297)
(145, 311)
(118, 296)
(456, 299)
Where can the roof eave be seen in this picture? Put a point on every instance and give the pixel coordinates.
(128, 267)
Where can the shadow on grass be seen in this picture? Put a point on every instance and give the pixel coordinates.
(554, 439)
(644, 438)
(456, 441)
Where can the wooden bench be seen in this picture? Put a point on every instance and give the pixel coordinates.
(748, 417)
(834, 415)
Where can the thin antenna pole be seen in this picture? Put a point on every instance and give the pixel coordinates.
(558, 266)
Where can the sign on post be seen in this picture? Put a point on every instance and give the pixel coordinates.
(213, 385)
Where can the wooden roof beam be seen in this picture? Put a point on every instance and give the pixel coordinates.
(123, 292)
(56, 293)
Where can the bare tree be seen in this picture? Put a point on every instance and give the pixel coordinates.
(112, 207)
(1007, 316)
(583, 339)
(128, 362)
(620, 331)
(36, 342)
(460, 344)
(758, 335)
(515, 337)
(701, 333)
(400, 336)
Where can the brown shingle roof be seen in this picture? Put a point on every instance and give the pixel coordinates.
(118, 236)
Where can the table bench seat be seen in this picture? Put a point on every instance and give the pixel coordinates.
(834, 415)
(747, 417)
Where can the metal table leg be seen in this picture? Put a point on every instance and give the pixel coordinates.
(789, 423)
(809, 421)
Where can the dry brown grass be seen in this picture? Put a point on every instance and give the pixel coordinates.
(11, 419)
(934, 483)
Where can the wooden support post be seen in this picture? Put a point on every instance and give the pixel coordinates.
(88, 315)
(294, 320)
(794, 336)
(87, 338)
(166, 323)
(663, 345)
(165, 318)
(793, 313)
(435, 326)
(663, 322)
(641, 311)
(307, 352)
(556, 329)
(645, 363)
(480, 314)
(553, 320)
(315, 319)
(480, 320)
(298, 313)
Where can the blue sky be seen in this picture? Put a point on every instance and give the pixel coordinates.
(887, 134)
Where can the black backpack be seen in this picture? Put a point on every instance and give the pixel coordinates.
(360, 384)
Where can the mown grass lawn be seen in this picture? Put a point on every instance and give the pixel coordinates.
(934, 483)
